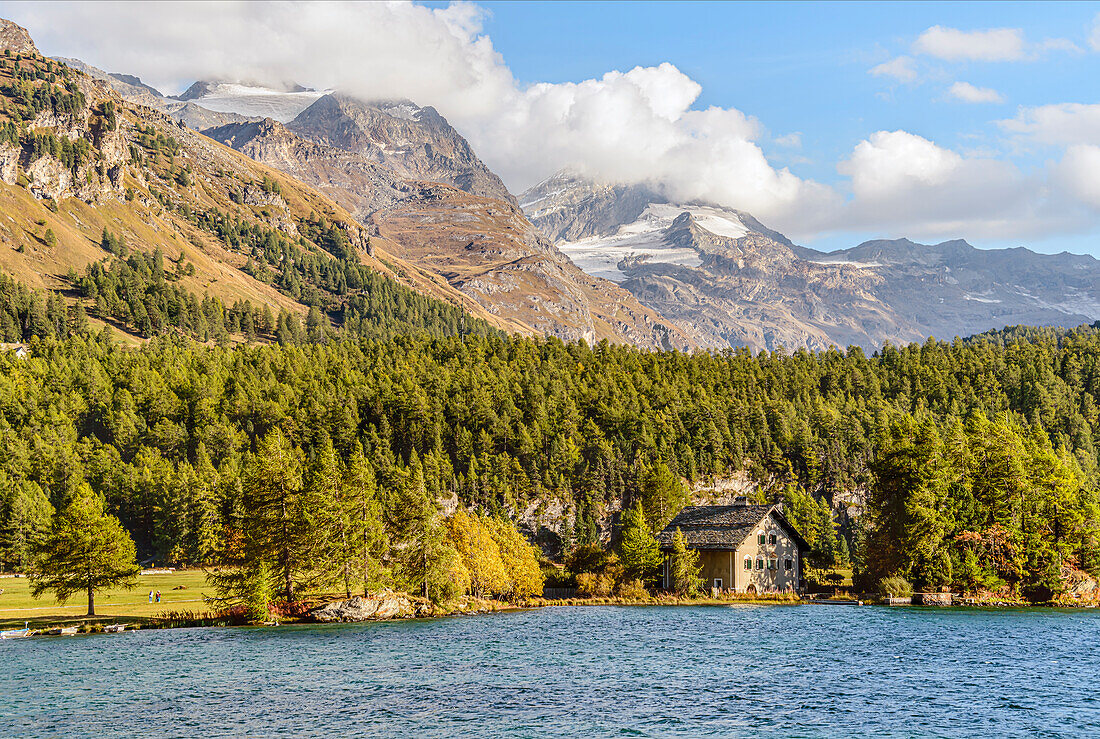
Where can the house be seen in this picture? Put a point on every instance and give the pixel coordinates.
(743, 548)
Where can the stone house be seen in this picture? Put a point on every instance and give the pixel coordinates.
(742, 548)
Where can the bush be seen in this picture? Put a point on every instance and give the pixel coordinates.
(895, 587)
(594, 585)
(633, 590)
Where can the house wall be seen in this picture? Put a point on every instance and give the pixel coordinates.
(766, 580)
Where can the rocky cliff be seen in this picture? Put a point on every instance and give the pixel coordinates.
(414, 143)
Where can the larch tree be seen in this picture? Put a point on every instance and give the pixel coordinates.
(273, 529)
(520, 559)
(26, 514)
(85, 550)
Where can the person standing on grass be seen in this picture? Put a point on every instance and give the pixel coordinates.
(158, 596)
(150, 596)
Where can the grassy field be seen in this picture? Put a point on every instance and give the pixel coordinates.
(179, 591)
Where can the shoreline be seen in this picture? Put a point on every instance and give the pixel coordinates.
(475, 607)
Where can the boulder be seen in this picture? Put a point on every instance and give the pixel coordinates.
(377, 607)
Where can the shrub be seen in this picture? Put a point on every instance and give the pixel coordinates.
(895, 587)
(594, 585)
(633, 590)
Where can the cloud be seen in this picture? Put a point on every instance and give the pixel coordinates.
(1076, 174)
(790, 141)
(989, 45)
(992, 45)
(900, 68)
(1059, 124)
(630, 126)
(1094, 34)
(906, 184)
(968, 93)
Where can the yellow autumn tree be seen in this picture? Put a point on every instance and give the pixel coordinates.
(520, 559)
(479, 553)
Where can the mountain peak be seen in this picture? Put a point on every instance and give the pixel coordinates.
(15, 38)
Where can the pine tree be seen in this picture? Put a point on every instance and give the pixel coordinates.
(638, 549)
(86, 550)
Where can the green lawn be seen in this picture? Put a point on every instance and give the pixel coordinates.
(17, 605)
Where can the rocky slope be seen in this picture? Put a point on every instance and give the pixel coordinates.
(75, 158)
(480, 245)
(738, 283)
(413, 142)
(133, 90)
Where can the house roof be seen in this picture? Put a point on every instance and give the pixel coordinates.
(723, 526)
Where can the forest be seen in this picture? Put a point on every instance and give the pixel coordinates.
(970, 464)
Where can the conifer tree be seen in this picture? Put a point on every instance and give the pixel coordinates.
(85, 550)
(684, 567)
(638, 549)
(25, 516)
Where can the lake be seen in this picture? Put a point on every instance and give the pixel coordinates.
(805, 671)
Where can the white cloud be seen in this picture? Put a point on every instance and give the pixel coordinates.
(1094, 34)
(790, 141)
(1079, 174)
(992, 45)
(907, 184)
(632, 126)
(989, 45)
(968, 93)
(900, 68)
(1059, 124)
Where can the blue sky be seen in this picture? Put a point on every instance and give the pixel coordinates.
(831, 122)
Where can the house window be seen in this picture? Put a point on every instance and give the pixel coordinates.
(759, 538)
(760, 563)
(771, 564)
(748, 563)
(787, 564)
(771, 539)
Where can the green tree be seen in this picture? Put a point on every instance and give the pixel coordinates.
(275, 524)
(25, 515)
(684, 567)
(86, 550)
(638, 549)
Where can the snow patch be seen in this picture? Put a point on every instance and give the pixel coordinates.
(261, 102)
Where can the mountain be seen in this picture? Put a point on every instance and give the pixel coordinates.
(735, 282)
(425, 197)
(132, 89)
(143, 222)
(482, 246)
(413, 142)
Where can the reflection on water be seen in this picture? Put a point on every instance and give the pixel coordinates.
(802, 671)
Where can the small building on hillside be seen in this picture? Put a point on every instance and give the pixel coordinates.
(742, 548)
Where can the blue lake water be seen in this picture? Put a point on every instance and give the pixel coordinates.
(805, 671)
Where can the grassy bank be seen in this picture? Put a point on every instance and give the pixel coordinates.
(179, 591)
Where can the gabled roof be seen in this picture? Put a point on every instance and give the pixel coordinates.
(723, 526)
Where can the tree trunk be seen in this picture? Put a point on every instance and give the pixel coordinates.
(91, 602)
